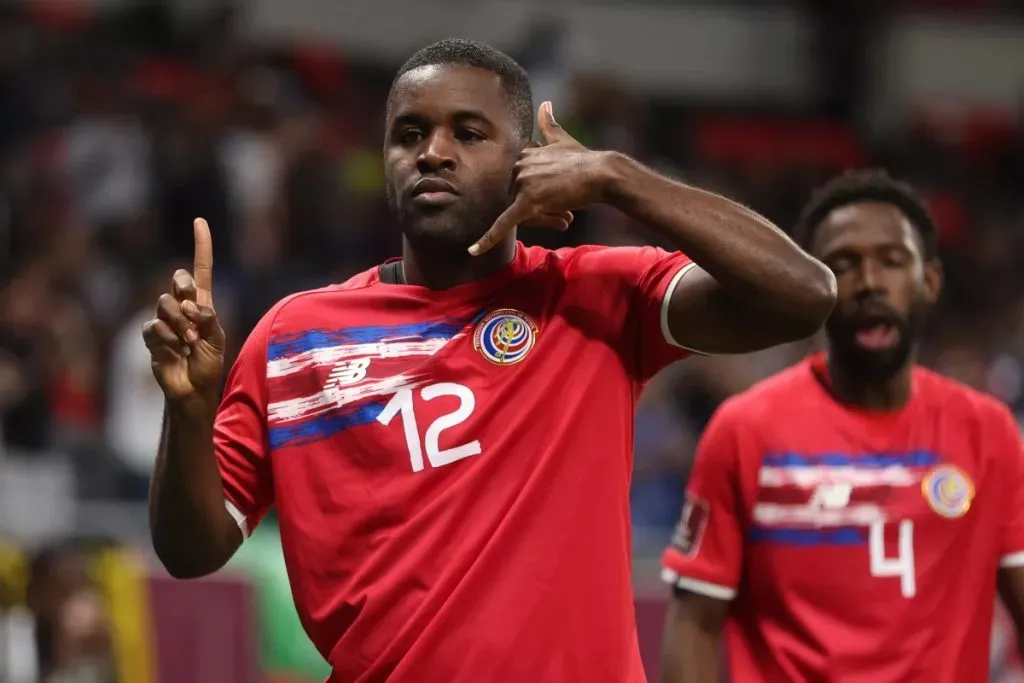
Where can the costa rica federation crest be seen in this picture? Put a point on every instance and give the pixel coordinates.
(948, 490)
(505, 336)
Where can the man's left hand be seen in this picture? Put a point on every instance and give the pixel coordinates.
(552, 179)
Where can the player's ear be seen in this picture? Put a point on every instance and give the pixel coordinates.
(933, 277)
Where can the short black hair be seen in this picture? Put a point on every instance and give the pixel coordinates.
(461, 52)
(868, 185)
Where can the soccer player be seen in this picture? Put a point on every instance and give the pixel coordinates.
(846, 520)
(447, 437)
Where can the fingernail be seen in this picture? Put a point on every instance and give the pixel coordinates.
(474, 250)
(191, 336)
(188, 308)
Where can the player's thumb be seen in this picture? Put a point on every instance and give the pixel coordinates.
(206, 322)
(549, 128)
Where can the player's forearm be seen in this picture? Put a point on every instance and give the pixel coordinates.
(689, 655)
(192, 532)
(746, 254)
(694, 662)
(689, 652)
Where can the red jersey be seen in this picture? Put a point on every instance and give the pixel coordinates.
(860, 547)
(451, 468)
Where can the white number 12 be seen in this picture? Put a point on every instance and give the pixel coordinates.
(902, 565)
(402, 403)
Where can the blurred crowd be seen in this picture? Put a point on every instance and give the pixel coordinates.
(54, 620)
(116, 129)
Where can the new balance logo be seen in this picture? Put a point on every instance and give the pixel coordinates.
(347, 373)
(831, 496)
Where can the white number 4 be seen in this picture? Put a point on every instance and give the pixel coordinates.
(902, 565)
(402, 403)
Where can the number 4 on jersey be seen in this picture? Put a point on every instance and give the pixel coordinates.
(902, 565)
(402, 404)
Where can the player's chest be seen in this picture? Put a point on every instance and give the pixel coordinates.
(409, 397)
(853, 510)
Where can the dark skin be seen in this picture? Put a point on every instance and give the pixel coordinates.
(192, 532)
(458, 166)
(753, 287)
(449, 127)
(876, 255)
(877, 258)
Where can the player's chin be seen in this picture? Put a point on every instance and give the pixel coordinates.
(442, 230)
(871, 364)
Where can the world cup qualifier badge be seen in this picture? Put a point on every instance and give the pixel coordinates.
(505, 336)
(692, 522)
(949, 491)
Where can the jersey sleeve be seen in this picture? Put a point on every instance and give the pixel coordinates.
(705, 555)
(1011, 452)
(641, 280)
(240, 432)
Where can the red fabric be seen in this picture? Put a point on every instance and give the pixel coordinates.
(843, 533)
(435, 458)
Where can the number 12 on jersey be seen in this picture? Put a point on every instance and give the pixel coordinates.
(402, 404)
(902, 565)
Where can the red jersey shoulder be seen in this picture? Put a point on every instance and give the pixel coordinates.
(298, 311)
(604, 261)
(368, 277)
(960, 400)
(787, 393)
(976, 418)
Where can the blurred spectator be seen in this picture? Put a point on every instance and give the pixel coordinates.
(124, 123)
(26, 352)
(56, 574)
(82, 641)
(135, 402)
(120, 122)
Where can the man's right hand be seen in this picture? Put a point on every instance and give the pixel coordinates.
(185, 339)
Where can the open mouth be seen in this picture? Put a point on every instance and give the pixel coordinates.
(877, 336)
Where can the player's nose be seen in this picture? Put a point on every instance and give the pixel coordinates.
(438, 152)
(871, 279)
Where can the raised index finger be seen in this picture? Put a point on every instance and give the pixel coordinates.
(202, 264)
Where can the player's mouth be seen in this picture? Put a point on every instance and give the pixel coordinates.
(877, 332)
(881, 337)
(433, 192)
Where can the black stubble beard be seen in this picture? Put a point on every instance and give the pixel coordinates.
(875, 366)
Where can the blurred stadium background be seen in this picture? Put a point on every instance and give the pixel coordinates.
(121, 120)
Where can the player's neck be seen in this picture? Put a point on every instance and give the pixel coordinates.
(435, 271)
(875, 395)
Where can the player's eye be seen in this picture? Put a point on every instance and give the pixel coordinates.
(410, 136)
(469, 135)
(895, 258)
(841, 264)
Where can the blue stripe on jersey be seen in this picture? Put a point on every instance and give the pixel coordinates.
(323, 426)
(302, 342)
(793, 536)
(862, 460)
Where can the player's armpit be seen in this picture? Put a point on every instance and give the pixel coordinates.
(703, 317)
(690, 643)
(1011, 590)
